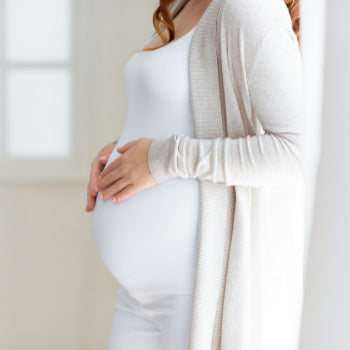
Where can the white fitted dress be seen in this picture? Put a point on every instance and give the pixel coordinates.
(149, 241)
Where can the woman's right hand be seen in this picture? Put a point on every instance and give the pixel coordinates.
(97, 166)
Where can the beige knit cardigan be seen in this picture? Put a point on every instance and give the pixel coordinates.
(247, 155)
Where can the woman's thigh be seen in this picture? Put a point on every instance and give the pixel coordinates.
(156, 322)
(132, 332)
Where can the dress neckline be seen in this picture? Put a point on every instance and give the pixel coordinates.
(167, 45)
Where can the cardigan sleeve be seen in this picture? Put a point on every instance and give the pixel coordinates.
(274, 157)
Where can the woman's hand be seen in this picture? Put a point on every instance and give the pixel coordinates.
(96, 167)
(128, 174)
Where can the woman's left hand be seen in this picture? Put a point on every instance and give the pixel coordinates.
(129, 173)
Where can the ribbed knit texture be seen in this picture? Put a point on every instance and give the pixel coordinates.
(249, 281)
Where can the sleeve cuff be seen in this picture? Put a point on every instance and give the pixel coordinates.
(158, 159)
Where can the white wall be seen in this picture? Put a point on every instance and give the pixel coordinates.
(55, 292)
(326, 316)
(313, 45)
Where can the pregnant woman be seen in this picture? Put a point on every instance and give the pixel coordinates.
(197, 210)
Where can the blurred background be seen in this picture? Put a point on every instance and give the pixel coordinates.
(62, 99)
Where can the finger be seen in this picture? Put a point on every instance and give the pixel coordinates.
(91, 195)
(103, 159)
(114, 189)
(113, 166)
(126, 193)
(90, 203)
(95, 171)
(108, 180)
(126, 146)
(97, 166)
(102, 163)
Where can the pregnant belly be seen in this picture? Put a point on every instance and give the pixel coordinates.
(149, 241)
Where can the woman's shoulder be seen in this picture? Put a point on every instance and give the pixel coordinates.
(248, 22)
(253, 19)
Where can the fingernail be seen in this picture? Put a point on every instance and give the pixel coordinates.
(96, 188)
(101, 196)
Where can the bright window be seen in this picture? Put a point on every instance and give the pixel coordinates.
(36, 78)
(37, 118)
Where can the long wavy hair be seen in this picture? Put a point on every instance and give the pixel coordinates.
(162, 18)
(293, 7)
